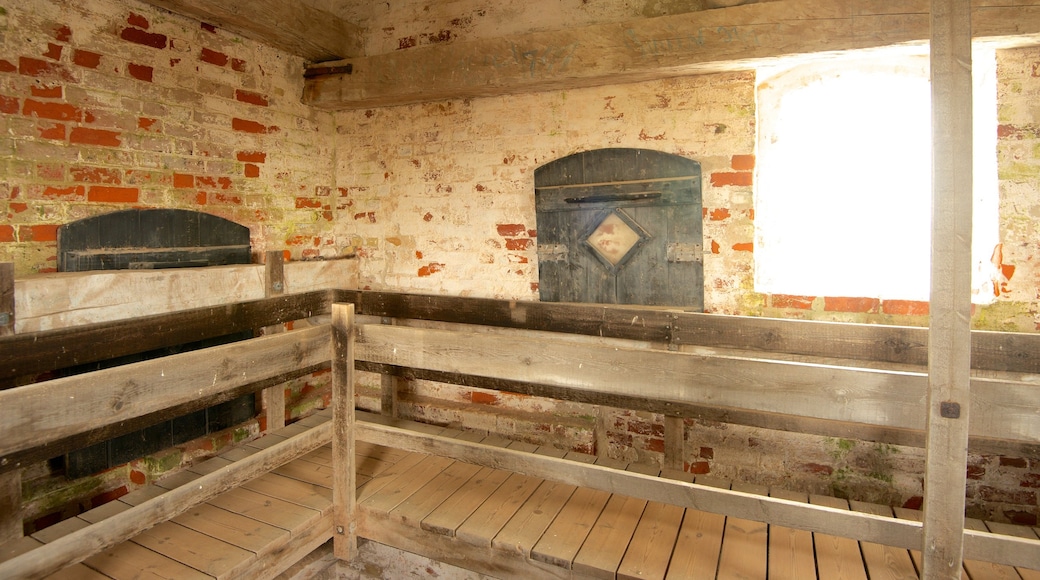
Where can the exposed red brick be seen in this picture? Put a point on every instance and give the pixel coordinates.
(722, 179)
(431, 268)
(138, 477)
(252, 156)
(996, 494)
(47, 520)
(247, 126)
(8, 105)
(96, 175)
(817, 468)
(213, 57)
(427, 217)
(706, 453)
(238, 65)
(483, 398)
(791, 301)
(53, 51)
(62, 33)
(86, 59)
(183, 180)
(53, 111)
(252, 170)
(227, 199)
(17, 207)
(6, 66)
(406, 42)
(719, 214)
(519, 244)
(87, 136)
(698, 467)
(511, 230)
(742, 162)
(914, 503)
(655, 445)
(146, 123)
(50, 171)
(307, 203)
(1020, 518)
(1030, 480)
(251, 98)
(205, 181)
(55, 131)
(744, 247)
(6, 233)
(35, 67)
(224, 183)
(107, 194)
(140, 72)
(208, 27)
(138, 36)
(369, 216)
(47, 92)
(975, 472)
(137, 20)
(715, 247)
(905, 307)
(845, 304)
(201, 198)
(108, 496)
(1019, 462)
(73, 191)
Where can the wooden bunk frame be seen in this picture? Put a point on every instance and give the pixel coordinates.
(826, 378)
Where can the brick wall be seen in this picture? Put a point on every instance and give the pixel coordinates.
(109, 105)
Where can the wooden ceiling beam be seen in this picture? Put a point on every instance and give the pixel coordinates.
(294, 27)
(736, 38)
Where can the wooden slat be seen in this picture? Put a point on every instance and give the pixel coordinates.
(273, 398)
(206, 554)
(883, 562)
(837, 558)
(791, 553)
(868, 396)
(21, 545)
(292, 490)
(652, 543)
(489, 518)
(566, 534)
(1021, 532)
(126, 561)
(745, 547)
(37, 352)
(268, 509)
(29, 416)
(419, 505)
(1000, 351)
(609, 538)
(528, 524)
(982, 570)
(949, 335)
(450, 515)
(401, 488)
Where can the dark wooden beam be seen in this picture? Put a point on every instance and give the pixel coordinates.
(294, 27)
(38, 352)
(726, 39)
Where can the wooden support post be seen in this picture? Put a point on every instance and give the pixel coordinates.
(674, 444)
(10, 505)
(6, 298)
(344, 485)
(390, 386)
(273, 398)
(949, 336)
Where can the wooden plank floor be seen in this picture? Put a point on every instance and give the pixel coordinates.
(491, 521)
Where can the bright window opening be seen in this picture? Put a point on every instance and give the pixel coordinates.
(843, 196)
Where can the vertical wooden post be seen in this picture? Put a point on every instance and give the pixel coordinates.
(674, 444)
(10, 482)
(344, 485)
(390, 385)
(949, 335)
(273, 398)
(6, 298)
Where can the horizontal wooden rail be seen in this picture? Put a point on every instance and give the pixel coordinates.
(1004, 408)
(856, 525)
(37, 352)
(93, 539)
(41, 413)
(998, 351)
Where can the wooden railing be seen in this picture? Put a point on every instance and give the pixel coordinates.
(857, 380)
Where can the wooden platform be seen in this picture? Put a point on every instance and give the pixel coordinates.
(491, 521)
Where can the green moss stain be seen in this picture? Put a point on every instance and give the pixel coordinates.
(156, 464)
(1003, 316)
(240, 434)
